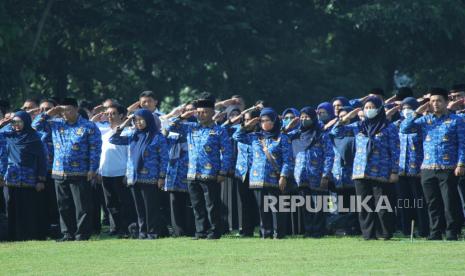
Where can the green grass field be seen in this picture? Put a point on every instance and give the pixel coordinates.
(230, 255)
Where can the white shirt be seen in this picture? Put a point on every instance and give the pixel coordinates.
(114, 157)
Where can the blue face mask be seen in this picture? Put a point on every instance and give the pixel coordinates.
(324, 118)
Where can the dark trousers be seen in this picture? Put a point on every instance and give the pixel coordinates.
(377, 223)
(352, 225)
(315, 220)
(119, 202)
(98, 204)
(182, 216)
(205, 199)
(272, 224)
(442, 199)
(147, 202)
(461, 184)
(23, 219)
(2, 202)
(411, 205)
(74, 198)
(247, 207)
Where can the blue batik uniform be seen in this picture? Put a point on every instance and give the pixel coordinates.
(28, 170)
(3, 156)
(46, 137)
(384, 160)
(77, 147)
(411, 152)
(443, 140)
(262, 173)
(155, 159)
(210, 149)
(313, 163)
(176, 175)
(341, 172)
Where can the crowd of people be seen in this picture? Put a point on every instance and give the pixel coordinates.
(207, 167)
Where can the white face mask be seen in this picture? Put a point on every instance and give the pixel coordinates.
(371, 113)
(407, 113)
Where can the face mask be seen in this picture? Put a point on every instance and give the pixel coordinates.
(407, 113)
(371, 113)
(323, 117)
(286, 122)
(306, 123)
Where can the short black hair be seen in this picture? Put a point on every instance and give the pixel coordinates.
(70, 101)
(85, 104)
(34, 100)
(49, 100)
(121, 109)
(83, 113)
(148, 93)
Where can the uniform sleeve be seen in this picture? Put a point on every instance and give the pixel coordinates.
(329, 156)
(411, 125)
(286, 152)
(43, 122)
(119, 139)
(461, 142)
(240, 135)
(340, 129)
(394, 148)
(95, 147)
(226, 150)
(176, 125)
(3, 156)
(163, 156)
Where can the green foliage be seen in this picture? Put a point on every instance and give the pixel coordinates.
(290, 53)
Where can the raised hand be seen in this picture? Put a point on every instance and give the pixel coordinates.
(423, 108)
(250, 124)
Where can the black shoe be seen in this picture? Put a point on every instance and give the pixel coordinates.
(82, 238)
(452, 238)
(199, 237)
(246, 235)
(434, 238)
(66, 238)
(213, 237)
(113, 233)
(142, 236)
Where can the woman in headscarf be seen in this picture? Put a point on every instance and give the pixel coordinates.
(343, 145)
(375, 167)
(313, 161)
(146, 170)
(409, 186)
(288, 115)
(271, 167)
(24, 176)
(325, 112)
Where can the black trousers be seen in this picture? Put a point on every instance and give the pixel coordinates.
(247, 207)
(377, 223)
(272, 224)
(2, 202)
(205, 199)
(74, 198)
(314, 221)
(441, 194)
(411, 205)
(461, 184)
(352, 225)
(182, 216)
(98, 205)
(147, 201)
(23, 219)
(119, 202)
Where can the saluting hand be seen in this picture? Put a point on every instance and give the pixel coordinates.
(459, 171)
(293, 123)
(423, 108)
(55, 111)
(349, 116)
(252, 123)
(188, 114)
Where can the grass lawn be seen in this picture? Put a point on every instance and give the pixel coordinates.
(230, 255)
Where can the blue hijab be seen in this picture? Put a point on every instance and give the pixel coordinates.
(142, 138)
(293, 111)
(373, 126)
(345, 145)
(307, 136)
(329, 109)
(24, 146)
(343, 100)
(276, 130)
